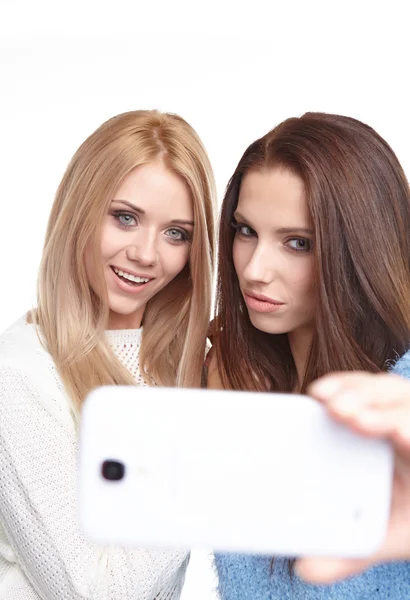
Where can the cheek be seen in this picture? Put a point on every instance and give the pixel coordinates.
(174, 259)
(239, 256)
(302, 281)
(112, 241)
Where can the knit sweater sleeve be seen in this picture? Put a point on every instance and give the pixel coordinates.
(38, 510)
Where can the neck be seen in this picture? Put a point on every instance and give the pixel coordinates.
(118, 321)
(300, 341)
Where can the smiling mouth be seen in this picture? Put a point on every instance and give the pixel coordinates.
(132, 280)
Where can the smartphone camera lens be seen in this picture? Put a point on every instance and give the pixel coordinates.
(113, 470)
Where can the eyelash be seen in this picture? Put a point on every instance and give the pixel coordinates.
(185, 236)
(238, 226)
(117, 214)
(300, 239)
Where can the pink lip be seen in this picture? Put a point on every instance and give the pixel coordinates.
(262, 297)
(260, 303)
(125, 287)
(131, 272)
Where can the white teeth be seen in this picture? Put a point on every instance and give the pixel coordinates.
(131, 277)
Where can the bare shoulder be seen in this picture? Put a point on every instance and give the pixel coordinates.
(214, 379)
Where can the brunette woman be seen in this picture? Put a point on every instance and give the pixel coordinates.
(314, 277)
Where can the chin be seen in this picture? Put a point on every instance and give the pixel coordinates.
(123, 309)
(263, 323)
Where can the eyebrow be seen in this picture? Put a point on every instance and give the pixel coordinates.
(295, 230)
(281, 230)
(142, 212)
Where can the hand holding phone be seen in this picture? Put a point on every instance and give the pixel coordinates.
(235, 471)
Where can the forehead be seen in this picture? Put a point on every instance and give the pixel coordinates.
(273, 194)
(155, 188)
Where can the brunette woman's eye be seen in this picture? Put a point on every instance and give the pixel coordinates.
(300, 244)
(243, 230)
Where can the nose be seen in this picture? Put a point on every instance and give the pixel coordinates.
(260, 268)
(143, 250)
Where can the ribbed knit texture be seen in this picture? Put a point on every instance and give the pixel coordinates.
(43, 554)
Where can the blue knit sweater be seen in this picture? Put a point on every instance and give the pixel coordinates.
(249, 577)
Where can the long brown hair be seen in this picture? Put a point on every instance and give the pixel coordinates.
(71, 317)
(359, 202)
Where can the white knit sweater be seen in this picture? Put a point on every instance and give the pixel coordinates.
(43, 554)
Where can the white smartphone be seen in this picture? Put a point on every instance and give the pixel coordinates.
(233, 471)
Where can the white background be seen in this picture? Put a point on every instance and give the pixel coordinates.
(233, 71)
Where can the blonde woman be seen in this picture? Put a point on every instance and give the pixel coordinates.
(124, 297)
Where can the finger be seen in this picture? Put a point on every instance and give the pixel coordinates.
(329, 570)
(328, 386)
(375, 389)
(394, 427)
(401, 437)
(390, 422)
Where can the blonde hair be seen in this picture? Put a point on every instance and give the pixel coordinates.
(71, 317)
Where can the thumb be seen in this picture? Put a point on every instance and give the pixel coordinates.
(329, 570)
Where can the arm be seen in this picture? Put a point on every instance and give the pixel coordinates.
(38, 509)
(377, 405)
(213, 379)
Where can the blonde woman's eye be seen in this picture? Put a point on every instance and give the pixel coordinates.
(125, 219)
(300, 244)
(177, 235)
